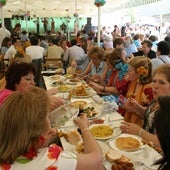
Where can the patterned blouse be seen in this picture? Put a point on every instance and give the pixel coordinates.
(149, 119)
(51, 158)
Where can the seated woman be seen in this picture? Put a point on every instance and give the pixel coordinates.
(162, 125)
(26, 147)
(117, 83)
(97, 63)
(140, 76)
(20, 77)
(160, 87)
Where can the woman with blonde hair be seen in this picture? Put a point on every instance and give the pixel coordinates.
(25, 118)
(140, 76)
(97, 63)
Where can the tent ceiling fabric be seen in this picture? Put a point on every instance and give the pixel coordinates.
(57, 8)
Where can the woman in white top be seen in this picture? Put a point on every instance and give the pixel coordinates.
(25, 118)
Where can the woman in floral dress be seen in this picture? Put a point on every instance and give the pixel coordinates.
(140, 76)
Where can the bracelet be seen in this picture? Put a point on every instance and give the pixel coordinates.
(85, 129)
(104, 88)
(140, 132)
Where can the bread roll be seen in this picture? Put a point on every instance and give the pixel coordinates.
(112, 155)
(73, 137)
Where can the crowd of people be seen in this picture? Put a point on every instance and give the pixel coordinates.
(137, 75)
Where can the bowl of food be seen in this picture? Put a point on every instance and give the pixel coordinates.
(102, 131)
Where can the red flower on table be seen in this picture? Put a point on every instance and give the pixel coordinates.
(54, 151)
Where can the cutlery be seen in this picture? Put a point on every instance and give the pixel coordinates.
(139, 163)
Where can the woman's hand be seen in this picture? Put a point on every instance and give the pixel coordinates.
(55, 102)
(82, 121)
(131, 105)
(48, 136)
(95, 86)
(52, 91)
(130, 128)
(96, 78)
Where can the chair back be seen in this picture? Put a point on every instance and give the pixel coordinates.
(39, 81)
(53, 62)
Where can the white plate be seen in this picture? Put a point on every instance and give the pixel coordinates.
(55, 77)
(81, 97)
(103, 138)
(66, 89)
(68, 76)
(113, 145)
(76, 105)
(69, 81)
(55, 83)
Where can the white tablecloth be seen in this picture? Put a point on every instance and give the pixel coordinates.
(147, 155)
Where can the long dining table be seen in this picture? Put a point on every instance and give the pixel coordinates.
(142, 158)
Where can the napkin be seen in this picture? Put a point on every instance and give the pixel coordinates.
(109, 107)
(115, 116)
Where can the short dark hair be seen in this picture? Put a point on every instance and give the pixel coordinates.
(163, 47)
(5, 42)
(15, 72)
(147, 42)
(34, 40)
(14, 40)
(167, 39)
(153, 38)
(73, 42)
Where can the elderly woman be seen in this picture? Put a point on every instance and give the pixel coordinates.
(27, 145)
(160, 87)
(20, 77)
(117, 83)
(97, 63)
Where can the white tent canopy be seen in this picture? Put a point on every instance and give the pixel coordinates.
(57, 8)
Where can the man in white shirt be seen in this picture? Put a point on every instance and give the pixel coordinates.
(163, 50)
(73, 53)
(35, 51)
(13, 48)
